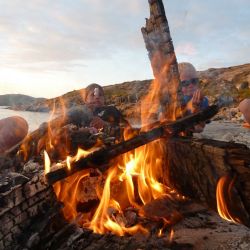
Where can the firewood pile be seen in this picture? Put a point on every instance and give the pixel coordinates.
(32, 217)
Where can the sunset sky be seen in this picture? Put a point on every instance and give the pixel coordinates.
(50, 47)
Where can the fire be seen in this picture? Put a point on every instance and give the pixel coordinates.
(223, 198)
(141, 170)
(80, 154)
(171, 235)
(138, 174)
(68, 160)
(103, 220)
(47, 163)
(67, 191)
(50, 131)
(160, 233)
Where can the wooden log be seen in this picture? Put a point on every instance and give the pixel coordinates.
(21, 206)
(99, 158)
(158, 42)
(194, 167)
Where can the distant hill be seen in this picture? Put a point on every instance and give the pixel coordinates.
(17, 99)
(231, 82)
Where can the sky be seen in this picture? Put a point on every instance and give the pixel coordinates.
(48, 48)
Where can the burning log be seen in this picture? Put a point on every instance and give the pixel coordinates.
(195, 167)
(159, 44)
(98, 158)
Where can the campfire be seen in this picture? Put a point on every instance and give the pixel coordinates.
(156, 189)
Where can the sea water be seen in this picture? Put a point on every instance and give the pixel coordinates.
(34, 119)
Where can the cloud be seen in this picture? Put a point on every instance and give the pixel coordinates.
(218, 30)
(62, 32)
(186, 49)
(97, 40)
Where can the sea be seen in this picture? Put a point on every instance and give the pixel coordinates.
(34, 119)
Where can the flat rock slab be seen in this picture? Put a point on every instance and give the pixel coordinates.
(226, 131)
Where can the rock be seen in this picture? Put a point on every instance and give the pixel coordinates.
(234, 111)
(244, 85)
(226, 131)
(226, 99)
(227, 137)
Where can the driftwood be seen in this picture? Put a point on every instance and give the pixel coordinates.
(159, 44)
(194, 168)
(22, 206)
(99, 158)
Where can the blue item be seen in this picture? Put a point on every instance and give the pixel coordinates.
(204, 103)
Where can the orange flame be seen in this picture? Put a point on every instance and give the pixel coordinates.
(142, 168)
(50, 131)
(140, 171)
(223, 198)
(171, 235)
(160, 233)
(66, 192)
(47, 163)
(102, 221)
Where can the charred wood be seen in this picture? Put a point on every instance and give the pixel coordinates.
(194, 167)
(20, 206)
(158, 42)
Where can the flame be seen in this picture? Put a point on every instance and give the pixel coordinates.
(66, 192)
(171, 235)
(55, 140)
(82, 154)
(68, 160)
(47, 162)
(102, 221)
(223, 198)
(142, 168)
(139, 172)
(160, 233)
(50, 130)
